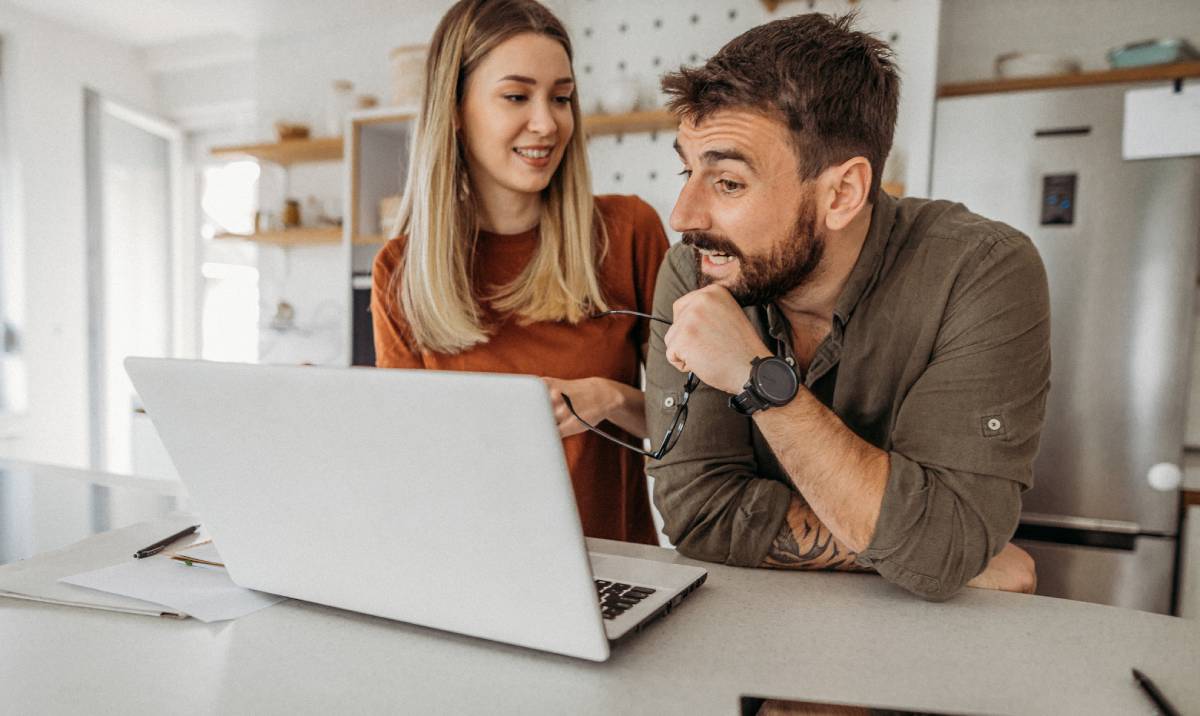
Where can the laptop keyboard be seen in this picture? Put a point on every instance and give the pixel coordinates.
(616, 597)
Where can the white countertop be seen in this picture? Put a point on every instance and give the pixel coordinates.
(849, 638)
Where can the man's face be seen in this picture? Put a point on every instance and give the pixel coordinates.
(743, 207)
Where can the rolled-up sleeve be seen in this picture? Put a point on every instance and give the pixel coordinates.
(714, 505)
(966, 433)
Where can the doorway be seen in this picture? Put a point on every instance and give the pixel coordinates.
(138, 272)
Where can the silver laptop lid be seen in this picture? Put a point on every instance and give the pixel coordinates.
(440, 499)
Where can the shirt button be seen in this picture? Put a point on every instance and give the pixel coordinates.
(669, 402)
(790, 360)
(994, 424)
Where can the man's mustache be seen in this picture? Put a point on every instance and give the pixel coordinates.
(712, 242)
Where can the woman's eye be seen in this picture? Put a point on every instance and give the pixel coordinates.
(563, 100)
(686, 174)
(729, 186)
(515, 97)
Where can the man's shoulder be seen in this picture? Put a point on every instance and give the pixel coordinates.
(679, 270)
(948, 226)
(948, 238)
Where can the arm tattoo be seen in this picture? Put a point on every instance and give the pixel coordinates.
(809, 546)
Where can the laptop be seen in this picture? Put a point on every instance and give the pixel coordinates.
(434, 498)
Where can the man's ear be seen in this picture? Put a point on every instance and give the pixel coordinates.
(848, 187)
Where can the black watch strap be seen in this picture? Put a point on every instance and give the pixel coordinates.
(747, 402)
(753, 398)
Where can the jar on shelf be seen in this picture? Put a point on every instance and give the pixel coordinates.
(291, 214)
(408, 74)
(339, 104)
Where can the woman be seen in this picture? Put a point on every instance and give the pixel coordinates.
(505, 256)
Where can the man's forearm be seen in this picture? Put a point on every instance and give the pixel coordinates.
(804, 543)
(841, 476)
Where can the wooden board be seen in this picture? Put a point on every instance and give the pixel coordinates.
(292, 237)
(600, 124)
(1180, 70)
(293, 151)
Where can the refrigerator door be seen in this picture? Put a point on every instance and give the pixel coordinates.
(1136, 578)
(1119, 240)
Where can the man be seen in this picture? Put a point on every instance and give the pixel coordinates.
(873, 371)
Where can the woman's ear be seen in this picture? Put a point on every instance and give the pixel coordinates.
(849, 190)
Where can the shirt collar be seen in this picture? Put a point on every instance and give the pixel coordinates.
(883, 219)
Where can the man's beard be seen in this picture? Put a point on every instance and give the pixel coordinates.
(765, 279)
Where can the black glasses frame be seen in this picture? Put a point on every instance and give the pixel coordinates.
(681, 407)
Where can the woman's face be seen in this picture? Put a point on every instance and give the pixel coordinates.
(515, 120)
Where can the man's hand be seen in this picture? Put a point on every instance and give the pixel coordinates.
(712, 337)
(1012, 570)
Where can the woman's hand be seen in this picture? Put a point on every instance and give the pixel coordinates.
(597, 400)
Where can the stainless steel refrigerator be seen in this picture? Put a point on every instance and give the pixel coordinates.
(1119, 239)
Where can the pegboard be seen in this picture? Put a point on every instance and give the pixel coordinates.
(617, 39)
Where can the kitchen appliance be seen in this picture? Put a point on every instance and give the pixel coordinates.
(1119, 241)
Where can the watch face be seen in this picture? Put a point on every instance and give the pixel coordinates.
(776, 381)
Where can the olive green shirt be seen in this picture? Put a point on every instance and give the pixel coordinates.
(939, 354)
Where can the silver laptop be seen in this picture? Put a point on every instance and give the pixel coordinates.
(434, 498)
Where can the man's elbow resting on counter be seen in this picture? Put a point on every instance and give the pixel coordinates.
(688, 544)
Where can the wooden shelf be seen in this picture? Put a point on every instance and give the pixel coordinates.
(292, 151)
(328, 149)
(600, 124)
(1179, 70)
(895, 188)
(292, 237)
(770, 5)
(368, 240)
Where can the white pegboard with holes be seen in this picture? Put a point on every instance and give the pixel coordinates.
(622, 40)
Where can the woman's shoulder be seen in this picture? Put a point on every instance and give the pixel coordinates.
(629, 215)
(625, 210)
(390, 255)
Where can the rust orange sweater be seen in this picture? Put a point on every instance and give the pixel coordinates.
(609, 481)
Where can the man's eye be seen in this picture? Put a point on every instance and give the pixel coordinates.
(729, 186)
(686, 174)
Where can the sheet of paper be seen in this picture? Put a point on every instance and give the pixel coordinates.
(37, 578)
(206, 594)
(1160, 122)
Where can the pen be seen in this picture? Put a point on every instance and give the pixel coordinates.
(162, 543)
(1155, 695)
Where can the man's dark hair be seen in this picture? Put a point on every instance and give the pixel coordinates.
(835, 88)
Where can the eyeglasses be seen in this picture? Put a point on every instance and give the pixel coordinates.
(681, 406)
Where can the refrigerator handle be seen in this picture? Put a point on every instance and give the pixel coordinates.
(1165, 476)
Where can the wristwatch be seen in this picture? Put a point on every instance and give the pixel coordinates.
(773, 383)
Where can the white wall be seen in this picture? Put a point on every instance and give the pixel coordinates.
(292, 75)
(227, 83)
(974, 32)
(652, 38)
(46, 68)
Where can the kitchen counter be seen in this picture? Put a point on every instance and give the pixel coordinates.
(847, 638)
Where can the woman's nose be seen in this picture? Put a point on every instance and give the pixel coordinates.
(541, 119)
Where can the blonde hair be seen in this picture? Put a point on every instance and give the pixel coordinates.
(439, 215)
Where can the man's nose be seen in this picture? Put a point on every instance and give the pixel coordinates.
(690, 212)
